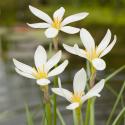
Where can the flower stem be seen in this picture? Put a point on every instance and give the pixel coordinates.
(87, 112)
(92, 111)
(54, 100)
(55, 43)
(47, 105)
(78, 116)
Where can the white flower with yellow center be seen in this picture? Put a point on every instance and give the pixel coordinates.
(42, 70)
(93, 53)
(78, 96)
(57, 23)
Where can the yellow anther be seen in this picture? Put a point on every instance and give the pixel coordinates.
(39, 74)
(56, 23)
(77, 97)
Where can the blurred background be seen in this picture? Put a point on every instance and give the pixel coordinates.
(19, 41)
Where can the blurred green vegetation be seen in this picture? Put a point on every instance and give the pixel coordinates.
(106, 12)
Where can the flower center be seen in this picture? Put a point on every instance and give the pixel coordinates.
(56, 23)
(39, 73)
(92, 55)
(77, 97)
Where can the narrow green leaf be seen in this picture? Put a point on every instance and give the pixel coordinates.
(60, 117)
(111, 90)
(114, 73)
(120, 115)
(59, 114)
(29, 116)
(115, 105)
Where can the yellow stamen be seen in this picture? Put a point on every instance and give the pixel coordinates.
(77, 97)
(56, 23)
(39, 74)
(92, 55)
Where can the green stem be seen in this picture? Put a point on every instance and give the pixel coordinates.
(47, 105)
(87, 112)
(55, 43)
(55, 103)
(48, 113)
(92, 111)
(78, 116)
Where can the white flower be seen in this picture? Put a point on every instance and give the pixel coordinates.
(78, 96)
(57, 23)
(41, 72)
(93, 53)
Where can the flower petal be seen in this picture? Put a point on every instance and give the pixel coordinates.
(24, 74)
(69, 49)
(72, 106)
(99, 64)
(53, 60)
(43, 82)
(62, 92)
(58, 14)
(40, 14)
(39, 25)
(40, 57)
(80, 52)
(70, 30)
(87, 40)
(23, 67)
(75, 50)
(109, 48)
(105, 41)
(74, 18)
(59, 69)
(94, 91)
(79, 81)
(51, 32)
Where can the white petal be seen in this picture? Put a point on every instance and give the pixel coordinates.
(58, 14)
(39, 25)
(70, 30)
(72, 106)
(40, 14)
(105, 41)
(74, 18)
(69, 49)
(79, 81)
(59, 69)
(43, 82)
(80, 52)
(24, 74)
(63, 92)
(51, 32)
(23, 67)
(40, 57)
(53, 60)
(87, 40)
(94, 91)
(99, 64)
(109, 48)
(75, 50)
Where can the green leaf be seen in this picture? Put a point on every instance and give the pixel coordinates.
(115, 105)
(119, 117)
(29, 116)
(59, 114)
(114, 73)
